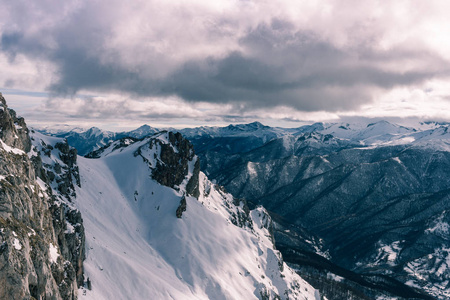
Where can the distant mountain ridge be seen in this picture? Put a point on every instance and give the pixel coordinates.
(372, 134)
(88, 140)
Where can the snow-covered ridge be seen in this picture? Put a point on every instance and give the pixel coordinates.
(138, 247)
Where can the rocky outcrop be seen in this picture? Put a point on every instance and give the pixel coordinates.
(172, 166)
(174, 161)
(39, 258)
(181, 208)
(192, 187)
(60, 171)
(14, 131)
(68, 156)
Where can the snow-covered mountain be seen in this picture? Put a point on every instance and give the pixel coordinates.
(140, 221)
(245, 137)
(157, 228)
(360, 209)
(371, 198)
(88, 140)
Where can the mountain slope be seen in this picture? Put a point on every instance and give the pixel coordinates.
(136, 241)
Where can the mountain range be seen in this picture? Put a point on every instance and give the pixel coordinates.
(358, 208)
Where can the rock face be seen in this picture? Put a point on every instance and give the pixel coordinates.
(176, 162)
(14, 130)
(40, 257)
(181, 208)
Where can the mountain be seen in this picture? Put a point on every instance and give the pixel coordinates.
(372, 199)
(88, 140)
(155, 222)
(92, 139)
(360, 209)
(41, 232)
(139, 221)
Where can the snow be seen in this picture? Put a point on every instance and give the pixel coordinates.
(423, 271)
(53, 253)
(440, 227)
(288, 142)
(335, 277)
(254, 129)
(11, 149)
(138, 248)
(50, 156)
(382, 133)
(58, 129)
(386, 298)
(397, 160)
(41, 184)
(16, 244)
(251, 169)
(70, 228)
(388, 253)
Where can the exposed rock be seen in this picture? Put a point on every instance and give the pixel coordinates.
(68, 155)
(192, 187)
(14, 131)
(62, 173)
(35, 260)
(181, 208)
(172, 167)
(176, 162)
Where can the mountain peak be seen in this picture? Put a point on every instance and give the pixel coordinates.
(256, 124)
(247, 127)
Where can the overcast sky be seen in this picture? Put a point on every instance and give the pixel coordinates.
(118, 64)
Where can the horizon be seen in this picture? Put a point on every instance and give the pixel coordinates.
(412, 123)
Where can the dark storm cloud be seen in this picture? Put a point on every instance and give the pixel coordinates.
(292, 69)
(305, 73)
(276, 64)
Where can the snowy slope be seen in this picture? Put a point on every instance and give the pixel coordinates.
(138, 249)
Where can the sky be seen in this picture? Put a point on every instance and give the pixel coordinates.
(120, 64)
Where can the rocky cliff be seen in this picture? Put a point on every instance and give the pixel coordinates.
(41, 236)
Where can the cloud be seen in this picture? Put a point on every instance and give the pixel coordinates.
(314, 57)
